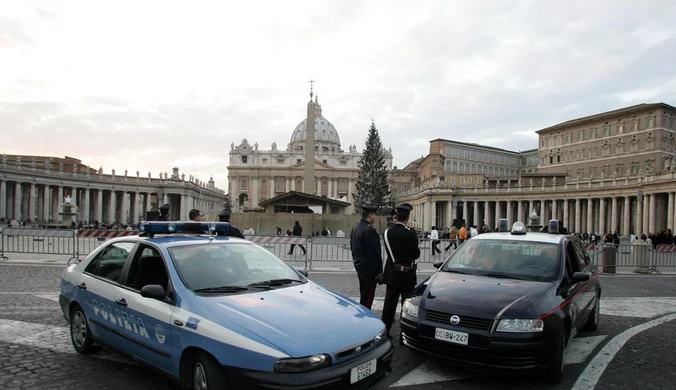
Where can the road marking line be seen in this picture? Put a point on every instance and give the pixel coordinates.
(594, 370)
(29, 292)
(53, 338)
(580, 348)
(643, 307)
(51, 297)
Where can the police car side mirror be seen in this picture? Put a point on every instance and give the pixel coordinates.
(154, 291)
(437, 264)
(302, 272)
(579, 277)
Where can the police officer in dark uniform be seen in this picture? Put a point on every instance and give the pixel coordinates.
(401, 246)
(224, 216)
(164, 213)
(366, 254)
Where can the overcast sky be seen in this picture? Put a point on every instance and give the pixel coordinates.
(149, 85)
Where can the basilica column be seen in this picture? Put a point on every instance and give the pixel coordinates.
(45, 202)
(670, 212)
(510, 213)
(627, 217)
(555, 211)
(497, 214)
(487, 213)
(3, 199)
(590, 216)
(602, 216)
(519, 212)
(565, 215)
(476, 214)
(639, 214)
(613, 219)
(543, 212)
(465, 212)
(646, 214)
(578, 216)
(17, 201)
(651, 223)
(99, 205)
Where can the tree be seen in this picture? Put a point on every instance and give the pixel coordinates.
(372, 186)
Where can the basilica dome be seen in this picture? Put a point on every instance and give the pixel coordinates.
(325, 133)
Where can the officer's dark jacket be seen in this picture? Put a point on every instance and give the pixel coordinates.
(162, 218)
(297, 230)
(234, 232)
(404, 244)
(366, 253)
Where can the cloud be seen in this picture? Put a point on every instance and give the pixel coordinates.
(208, 75)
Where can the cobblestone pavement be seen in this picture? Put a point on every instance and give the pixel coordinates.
(35, 350)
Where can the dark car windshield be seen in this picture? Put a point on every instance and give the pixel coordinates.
(226, 268)
(506, 259)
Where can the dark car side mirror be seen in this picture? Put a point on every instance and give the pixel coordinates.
(154, 291)
(302, 272)
(579, 277)
(437, 264)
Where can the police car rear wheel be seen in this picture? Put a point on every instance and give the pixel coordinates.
(80, 334)
(207, 373)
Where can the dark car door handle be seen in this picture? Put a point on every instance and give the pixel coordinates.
(121, 301)
(82, 285)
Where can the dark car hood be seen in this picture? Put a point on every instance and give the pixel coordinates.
(301, 320)
(480, 296)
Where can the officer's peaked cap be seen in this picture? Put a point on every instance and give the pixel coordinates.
(164, 207)
(368, 207)
(225, 213)
(402, 207)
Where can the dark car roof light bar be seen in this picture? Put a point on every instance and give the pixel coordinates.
(149, 229)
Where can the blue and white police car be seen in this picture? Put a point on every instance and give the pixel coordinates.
(216, 312)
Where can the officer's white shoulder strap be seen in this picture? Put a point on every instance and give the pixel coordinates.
(387, 243)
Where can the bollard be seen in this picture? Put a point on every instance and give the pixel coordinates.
(640, 251)
(609, 259)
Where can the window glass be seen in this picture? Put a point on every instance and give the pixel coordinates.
(109, 265)
(147, 268)
(581, 255)
(215, 265)
(519, 259)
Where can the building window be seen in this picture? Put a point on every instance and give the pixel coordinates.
(279, 184)
(606, 130)
(265, 161)
(619, 149)
(542, 143)
(633, 168)
(580, 154)
(651, 122)
(620, 128)
(634, 125)
(243, 185)
(298, 161)
(343, 162)
(604, 171)
(280, 161)
(592, 133)
(580, 136)
(618, 170)
(264, 187)
(569, 138)
(342, 186)
(244, 159)
(592, 172)
(325, 161)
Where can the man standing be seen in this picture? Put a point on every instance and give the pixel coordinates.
(434, 238)
(297, 231)
(195, 215)
(164, 213)
(224, 216)
(366, 254)
(401, 245)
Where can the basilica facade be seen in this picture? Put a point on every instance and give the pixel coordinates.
(256, 175)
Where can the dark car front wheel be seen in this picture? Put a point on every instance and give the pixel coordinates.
(593, 320)
(554, 372)
(207, 373)
(80, 334)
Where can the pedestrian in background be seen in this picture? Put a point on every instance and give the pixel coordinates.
(434, 236)
(453, 237)
(366, 255)
(224, 216)
(164, 213)
(195, 215)
(297, 231)
(401, 245)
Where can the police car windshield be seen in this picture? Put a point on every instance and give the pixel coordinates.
(524, 260)
(210, 266)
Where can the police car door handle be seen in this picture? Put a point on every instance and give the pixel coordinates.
(121, 301)
(82, 285)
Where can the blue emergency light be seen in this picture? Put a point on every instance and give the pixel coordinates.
(503, 225)
(152, 228)
(553, 226)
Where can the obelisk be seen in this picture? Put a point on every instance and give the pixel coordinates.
(309, 186)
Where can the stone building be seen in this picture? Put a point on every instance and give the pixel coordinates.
(605, 172)
(32, 188)
(256, 175)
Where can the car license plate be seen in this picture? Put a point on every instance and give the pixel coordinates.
(451, 336)
(362, 371)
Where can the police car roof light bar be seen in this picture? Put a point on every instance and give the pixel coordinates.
(553, 226)
(503, 225)
(211, 228)
(518, 228)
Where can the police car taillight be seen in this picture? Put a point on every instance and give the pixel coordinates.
(152, 228)
(503, 225)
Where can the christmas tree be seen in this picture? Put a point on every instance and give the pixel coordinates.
(372, 186)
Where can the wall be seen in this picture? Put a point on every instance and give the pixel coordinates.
(264, 223)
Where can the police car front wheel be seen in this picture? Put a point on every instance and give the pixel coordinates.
(80, 334)
(207, 373)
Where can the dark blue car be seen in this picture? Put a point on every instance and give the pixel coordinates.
(506, 301)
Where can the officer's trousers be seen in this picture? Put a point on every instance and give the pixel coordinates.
(367, 291)
(392, 296)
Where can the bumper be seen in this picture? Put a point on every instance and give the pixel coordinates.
(65, 305)
(334, 377)
(504, 353)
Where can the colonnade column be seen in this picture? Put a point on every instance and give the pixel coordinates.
(17, 201)
(497, 213)
(59, 200)
(112, 207)
(476, 214)
(565, 214)
(590, 216)
(639, 215)
(651, 223)
(510, 213)
(602, 216)
(99, 205)
(487, 213)
(578, 216)
(613, 216)
(45, 202)
(627, 217)
(86, 205)
(519, 212)
(555, 211)
(3, 199)
(646, 213)
(465, 212)
(32, 203)
(670, 212)
(133, 198)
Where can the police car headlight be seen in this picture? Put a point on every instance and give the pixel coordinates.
(521, 326)
(302, 364)
(409, 311)
(381, 336)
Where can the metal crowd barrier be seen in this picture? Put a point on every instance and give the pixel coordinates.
(38, 241)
